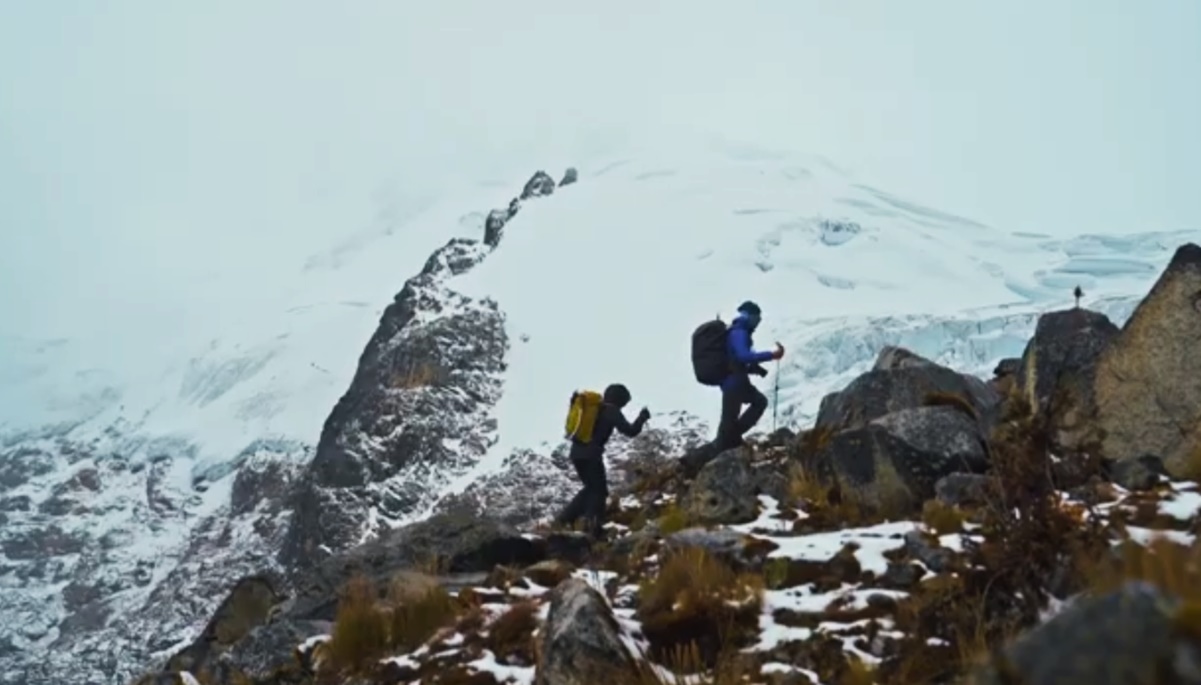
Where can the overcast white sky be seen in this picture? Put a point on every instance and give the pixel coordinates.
(145, 143)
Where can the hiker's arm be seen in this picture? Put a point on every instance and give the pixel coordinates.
(630, 430)
(743, 353)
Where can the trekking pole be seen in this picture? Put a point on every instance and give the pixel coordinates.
(775, 402)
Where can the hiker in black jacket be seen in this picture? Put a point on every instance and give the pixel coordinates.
(588, 459)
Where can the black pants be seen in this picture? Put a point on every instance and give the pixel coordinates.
(733, 426)
(590, 502)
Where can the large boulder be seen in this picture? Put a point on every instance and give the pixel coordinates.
(446, 543)
(900, 380)
(580, 643)
(247, 606)
(1148, 383)
(1127, 636)
(1057, 372)
(725, 490)
(267, 654)
(949, 437)
(893, 462)
(739, 550)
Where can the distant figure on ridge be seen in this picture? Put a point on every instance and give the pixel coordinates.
(591, 420)
(725, 357)
(1079, 294)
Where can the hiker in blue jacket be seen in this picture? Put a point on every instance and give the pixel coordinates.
(736, 389)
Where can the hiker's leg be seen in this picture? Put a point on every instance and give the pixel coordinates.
(758, 402)
(601, 503)
(727, 426)
(598, 492)
(578, 505)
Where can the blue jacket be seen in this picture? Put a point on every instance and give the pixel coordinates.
(742, 352)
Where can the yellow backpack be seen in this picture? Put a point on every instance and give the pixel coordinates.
(581, 416)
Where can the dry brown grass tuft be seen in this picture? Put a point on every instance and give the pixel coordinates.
(698, 599)
(433, 564)
(1192, 466)
(952, 400)
(811, 442)
(360, 632)
(512, 633)
(416, 620)
(367, 628)
(682, 660)
(827, 505)
(1173, 567)
(858, 673)
(941, 518)
(416, 376)
(673, 519)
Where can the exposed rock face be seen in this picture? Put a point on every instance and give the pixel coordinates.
(539, 184)
(1123, 637)
(1148, 383)
(419, 398)
(456, 544)
(109, 610)
(570, 176)
(1058, 369)
(580, 643)
(268, 653)
(737, 549)
(416, 412)
(901, 427)
(724, 491)
(115, 551)
(949, 436)
(902, 380)
(245, 608)
(881, 470)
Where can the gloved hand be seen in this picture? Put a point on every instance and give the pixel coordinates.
(644, 415)
(778, 352)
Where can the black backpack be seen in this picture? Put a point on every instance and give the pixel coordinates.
(710, 358)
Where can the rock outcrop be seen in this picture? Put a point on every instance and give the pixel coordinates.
(1057, 372)
(448, 543)
(416, 411)
(895, 431)
(724, 490)
(246, 607)
(1131, 635)
(899, 380)
(1148, 381)
(580, 643)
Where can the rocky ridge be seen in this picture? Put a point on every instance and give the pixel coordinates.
(81, 592)
(931, 527)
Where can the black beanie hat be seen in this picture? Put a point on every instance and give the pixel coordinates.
(751, 308)
(617, 394)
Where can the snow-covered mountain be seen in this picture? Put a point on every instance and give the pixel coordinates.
(131, 496)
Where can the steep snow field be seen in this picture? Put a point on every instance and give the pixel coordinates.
(604, 282)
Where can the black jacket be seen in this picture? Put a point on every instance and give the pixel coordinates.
(608, 419)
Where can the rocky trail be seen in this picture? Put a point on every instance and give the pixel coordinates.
(931, 527)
